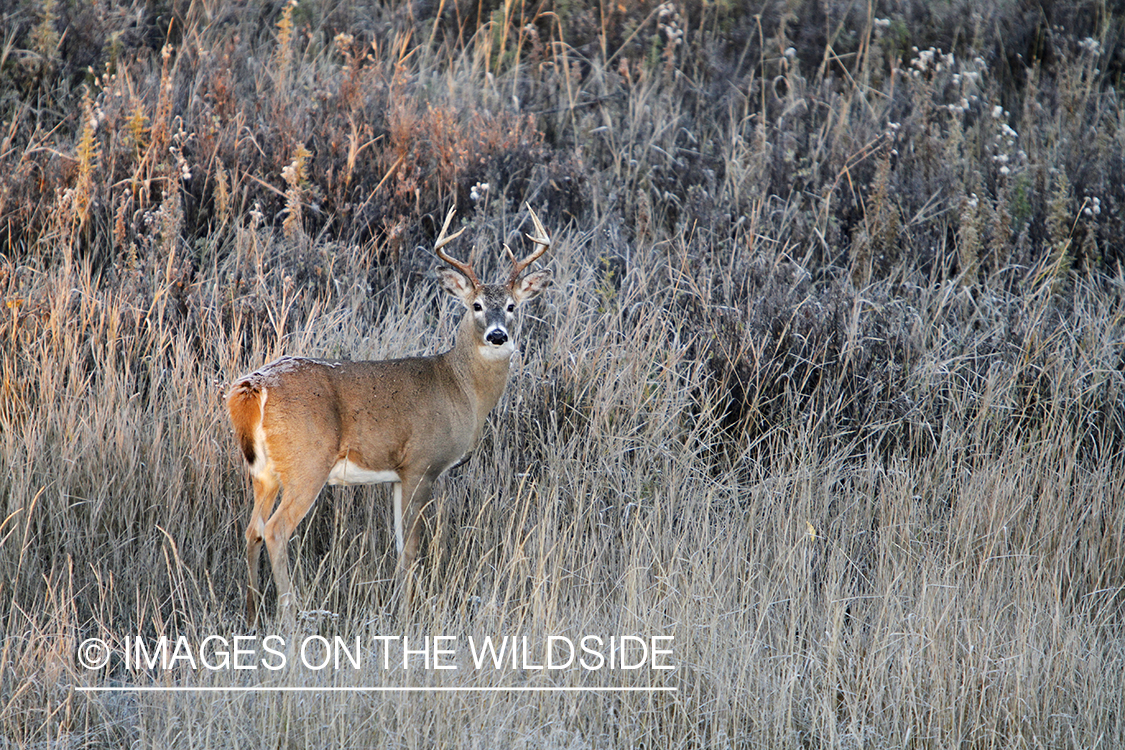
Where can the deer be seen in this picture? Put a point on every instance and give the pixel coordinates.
(302, 423)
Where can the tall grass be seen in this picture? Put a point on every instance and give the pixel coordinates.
(829, 385)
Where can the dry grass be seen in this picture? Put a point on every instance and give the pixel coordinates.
(829, 386)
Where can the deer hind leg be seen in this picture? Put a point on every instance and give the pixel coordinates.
(411, 497)
(296, 500)
(265, 492)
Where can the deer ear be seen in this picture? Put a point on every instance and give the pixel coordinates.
(456, 284)
(531, 285)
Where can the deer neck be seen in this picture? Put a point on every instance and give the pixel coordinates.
(482, 378)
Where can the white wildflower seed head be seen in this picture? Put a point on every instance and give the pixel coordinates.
(669, 23)
(924, 59)
(1091, 45)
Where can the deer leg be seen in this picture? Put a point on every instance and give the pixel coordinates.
(396, 502)
(411, 497)
(296, 501)
(265, 492)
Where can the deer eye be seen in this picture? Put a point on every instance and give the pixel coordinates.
(511, 307)
(477, 307)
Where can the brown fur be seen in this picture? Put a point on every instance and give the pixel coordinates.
(302, 422)
(245, 407)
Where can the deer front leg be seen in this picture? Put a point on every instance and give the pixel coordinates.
(411, 496)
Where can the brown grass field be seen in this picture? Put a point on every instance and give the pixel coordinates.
(829, 388)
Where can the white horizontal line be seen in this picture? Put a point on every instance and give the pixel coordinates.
(335, 689)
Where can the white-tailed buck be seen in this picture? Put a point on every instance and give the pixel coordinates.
(302, 423)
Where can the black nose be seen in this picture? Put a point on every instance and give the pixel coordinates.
(496, 337)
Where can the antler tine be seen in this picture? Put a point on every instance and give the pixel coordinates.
(442, 241)
(543, 240)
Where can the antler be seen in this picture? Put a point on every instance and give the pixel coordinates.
(442, 241)
(543, 240)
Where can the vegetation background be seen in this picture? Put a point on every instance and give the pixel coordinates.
(829, 386)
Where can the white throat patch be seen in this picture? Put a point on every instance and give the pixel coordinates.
(496, 353)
